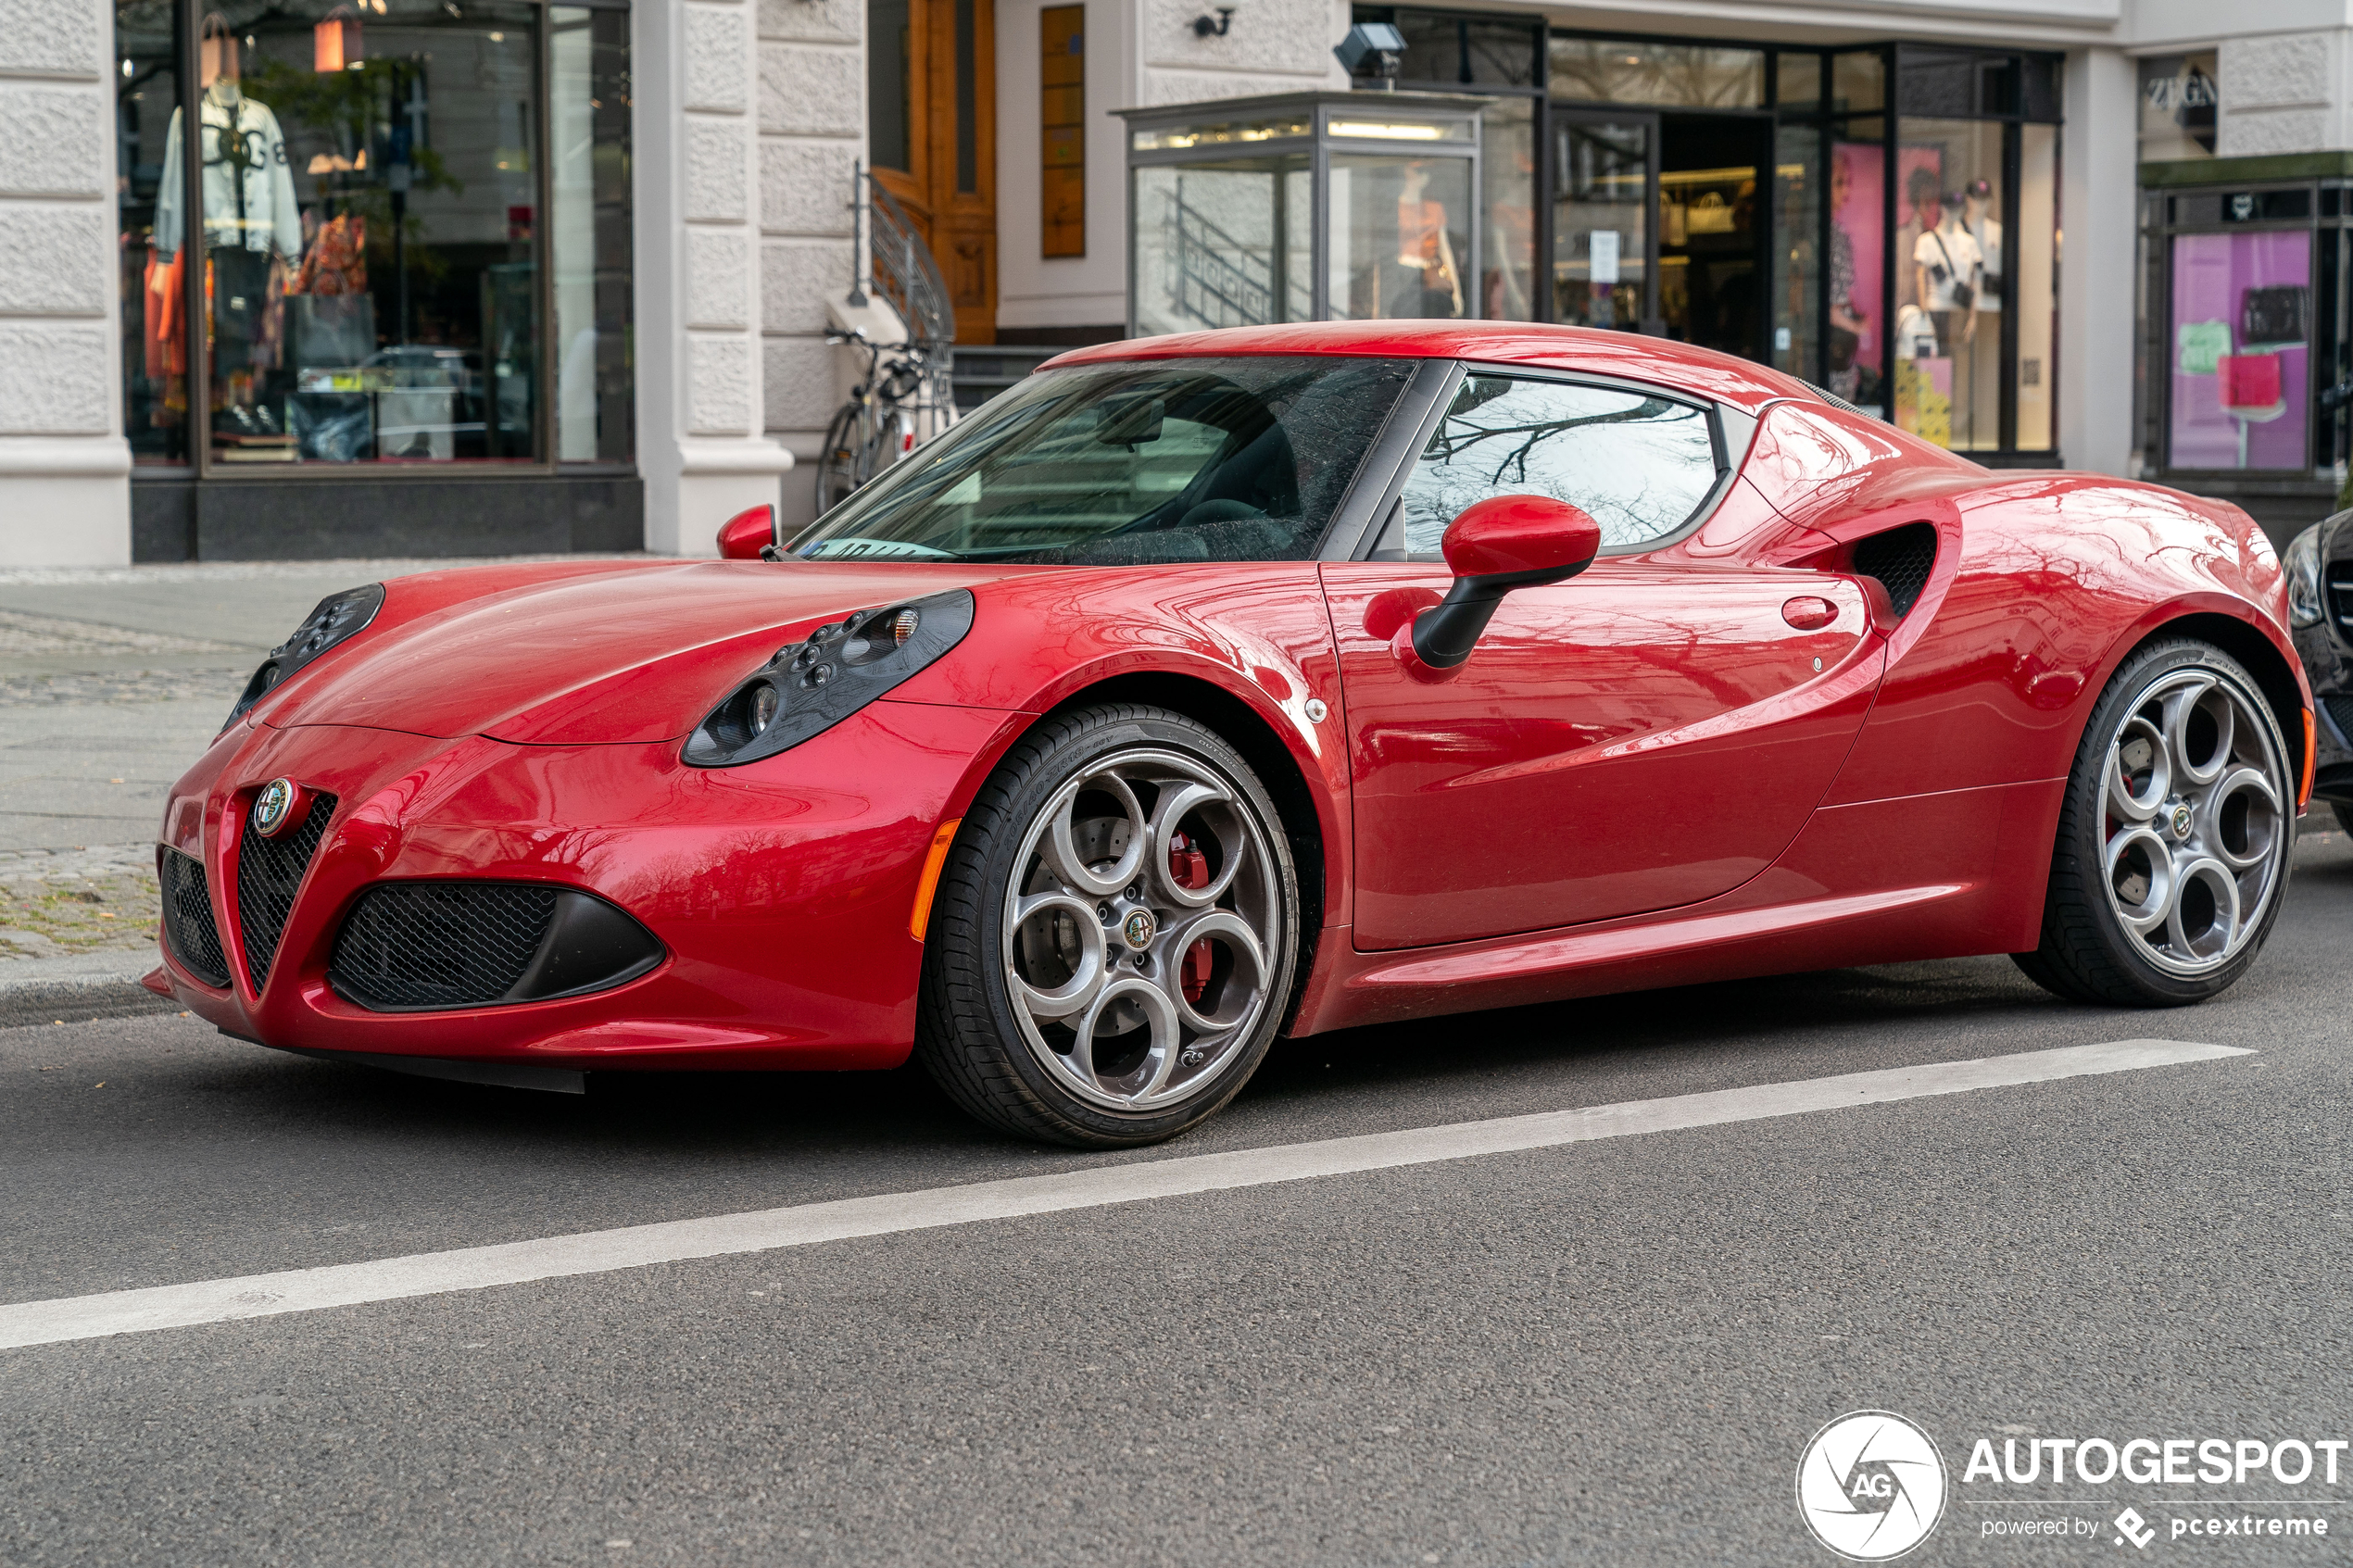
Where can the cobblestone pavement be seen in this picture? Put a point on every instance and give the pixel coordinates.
(112, 681)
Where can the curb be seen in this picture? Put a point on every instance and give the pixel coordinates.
(78, 988)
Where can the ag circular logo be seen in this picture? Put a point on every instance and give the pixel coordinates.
(1139, 929)
(1870, 1485)
(274, 808)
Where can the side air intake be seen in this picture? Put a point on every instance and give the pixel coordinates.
(187, 920)
(1900, 559)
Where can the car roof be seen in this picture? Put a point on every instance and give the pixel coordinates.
(1600, 351)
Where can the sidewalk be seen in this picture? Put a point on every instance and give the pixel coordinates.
(112, 681)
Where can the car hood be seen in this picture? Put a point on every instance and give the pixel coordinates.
(634, 656)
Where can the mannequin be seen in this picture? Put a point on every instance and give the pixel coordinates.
(1435, 286)
(250, 216)
(1948, 274)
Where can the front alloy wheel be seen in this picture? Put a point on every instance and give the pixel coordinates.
(2174, 841)
(1112, 943)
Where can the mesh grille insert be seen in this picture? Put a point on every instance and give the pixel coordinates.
(268, 875)
(1900, 559)
(187, 920)
(2341, 710)
(2340, 593)
(441, 943)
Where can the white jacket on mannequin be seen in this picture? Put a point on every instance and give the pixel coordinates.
(269, 219)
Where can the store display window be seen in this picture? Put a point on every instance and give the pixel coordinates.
(153, 292)
(344, 259)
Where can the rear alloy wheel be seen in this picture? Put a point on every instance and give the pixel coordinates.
(2174, 841)
(1113, 942)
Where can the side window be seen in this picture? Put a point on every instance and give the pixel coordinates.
(1638, 463)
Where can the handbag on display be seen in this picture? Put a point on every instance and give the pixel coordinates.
(240, 283)
(1964, 292)
(1710, 215)
(2274, 314)
(2250, 382)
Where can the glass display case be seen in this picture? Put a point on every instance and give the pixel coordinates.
(1307, 207)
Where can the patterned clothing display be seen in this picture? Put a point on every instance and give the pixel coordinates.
(338, 262)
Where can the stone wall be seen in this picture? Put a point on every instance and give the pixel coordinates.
(812, 132)
(2282, 95)
(63, 465)
(703, 447)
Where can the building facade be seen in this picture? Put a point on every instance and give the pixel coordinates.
(317, 277)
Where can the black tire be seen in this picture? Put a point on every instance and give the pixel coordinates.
(2088, 952)
(2344, 815)
(988, 1050)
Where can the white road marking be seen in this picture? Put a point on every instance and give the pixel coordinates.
(479, 1267)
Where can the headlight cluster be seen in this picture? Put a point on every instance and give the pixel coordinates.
(811, 686)
(339, 617)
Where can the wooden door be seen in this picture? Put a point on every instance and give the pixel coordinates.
(943, 128)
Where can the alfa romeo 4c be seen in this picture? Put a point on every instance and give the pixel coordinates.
(1211, 688)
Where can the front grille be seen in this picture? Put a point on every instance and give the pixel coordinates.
(2341, 710)
(2340, 592)
(1900, 559)
(187, 920)
(268, 875)
(423, 944)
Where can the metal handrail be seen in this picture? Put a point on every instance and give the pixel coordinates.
(1214, 285)
(904, 273)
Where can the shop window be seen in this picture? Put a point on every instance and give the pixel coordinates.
(1698, 76)
(1798, 82)
(153, 288)
(2033, 262)
(1949, 257)
(1446, 46)
(1062, 33)
(1858, 82)
(360, 238)
(1601, 229)
(1508, 286)
(1797, 219)
(590, 235)
(2240, 334)
(1854, 322)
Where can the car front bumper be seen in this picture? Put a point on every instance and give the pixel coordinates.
(780, 891)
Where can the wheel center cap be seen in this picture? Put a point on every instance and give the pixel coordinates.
(2182, 820)
(1138, 928)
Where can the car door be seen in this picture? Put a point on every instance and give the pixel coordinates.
(1649, 735)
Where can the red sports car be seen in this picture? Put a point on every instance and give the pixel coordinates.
(1215, 688)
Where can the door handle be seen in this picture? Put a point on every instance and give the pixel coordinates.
(1808, 613)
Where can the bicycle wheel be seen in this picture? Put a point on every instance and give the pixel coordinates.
(847, 460)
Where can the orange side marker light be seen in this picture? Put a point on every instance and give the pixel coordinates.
(937, 858)
(2304, 794)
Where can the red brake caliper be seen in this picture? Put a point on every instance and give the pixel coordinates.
(1189, 867)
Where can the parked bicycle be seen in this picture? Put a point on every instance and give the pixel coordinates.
(883, 421)
(905, 396)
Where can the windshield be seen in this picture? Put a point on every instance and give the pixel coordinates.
(1163, 460)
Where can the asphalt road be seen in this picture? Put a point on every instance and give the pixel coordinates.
(1606, 1352)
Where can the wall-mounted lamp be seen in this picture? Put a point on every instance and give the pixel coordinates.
(335, 41)
(1204, 28)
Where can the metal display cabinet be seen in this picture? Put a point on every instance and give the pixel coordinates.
(1302, 207)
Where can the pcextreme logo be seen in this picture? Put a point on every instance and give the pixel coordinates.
(1870, 1485)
